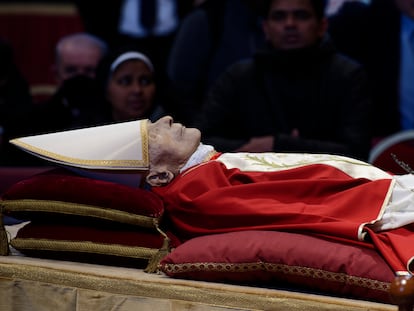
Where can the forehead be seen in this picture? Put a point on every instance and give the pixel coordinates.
(81, 57)
(288, 5)
(135, 65)
(81, 49)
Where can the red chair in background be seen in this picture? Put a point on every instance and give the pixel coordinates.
(33, 29)
(394, 153)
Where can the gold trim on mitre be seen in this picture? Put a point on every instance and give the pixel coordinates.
(118, 146)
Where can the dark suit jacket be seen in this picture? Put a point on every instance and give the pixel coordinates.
(371, 35)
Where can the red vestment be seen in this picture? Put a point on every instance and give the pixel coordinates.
(314, 199)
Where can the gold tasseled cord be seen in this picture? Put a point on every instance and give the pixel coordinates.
(165, 249)
(154, 261)
(4, 241)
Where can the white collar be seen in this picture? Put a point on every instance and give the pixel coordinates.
(202, 153)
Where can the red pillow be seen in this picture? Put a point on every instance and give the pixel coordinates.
(60, 193)
(79, 218)
(280, 259)
(116, 245)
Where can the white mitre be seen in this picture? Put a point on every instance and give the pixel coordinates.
(116, 152)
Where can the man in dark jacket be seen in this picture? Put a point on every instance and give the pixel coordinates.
(298, 95)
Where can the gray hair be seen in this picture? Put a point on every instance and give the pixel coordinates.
(83, 39)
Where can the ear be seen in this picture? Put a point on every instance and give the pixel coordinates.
(157, 179)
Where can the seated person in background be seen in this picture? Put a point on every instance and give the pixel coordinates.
(211, 37)
(76, 102)
(206, 192)
(127, 82)
(78, 54)
(148, 24)
(378, 35)
(298, 95)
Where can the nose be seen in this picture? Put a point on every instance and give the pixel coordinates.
(290, 20)
(136, 87)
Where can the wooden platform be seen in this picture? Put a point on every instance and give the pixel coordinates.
(43, 284)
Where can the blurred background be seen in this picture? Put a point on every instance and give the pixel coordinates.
(32, 28)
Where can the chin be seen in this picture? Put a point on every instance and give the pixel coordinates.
(194, 132)
(199, 137)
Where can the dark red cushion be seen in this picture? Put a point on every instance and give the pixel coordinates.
(281, 258)
(60, 192)
(80, 218)
(115, 245)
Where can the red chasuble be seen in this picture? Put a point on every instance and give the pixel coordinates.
(314, 199)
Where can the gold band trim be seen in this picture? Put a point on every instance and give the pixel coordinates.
(68, 208)
(83, 247)
(144, 141)
(132, 165)
(38, 9)
(139, 284)
(82, 162)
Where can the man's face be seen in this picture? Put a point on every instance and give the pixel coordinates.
(406, 7)
(292, 24)
(171, 144)
(76, 61)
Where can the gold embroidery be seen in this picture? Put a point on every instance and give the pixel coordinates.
(261, 160)
(277, 268)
